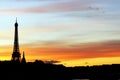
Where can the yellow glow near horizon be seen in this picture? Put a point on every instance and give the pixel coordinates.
(5, 58)
(76, 62)
(92, 61)
(65, 58)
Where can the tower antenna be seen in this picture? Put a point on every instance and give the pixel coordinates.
(16, 19)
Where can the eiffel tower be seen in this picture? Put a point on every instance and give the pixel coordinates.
(16, 56)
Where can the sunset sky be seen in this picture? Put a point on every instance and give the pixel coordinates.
(74, 32)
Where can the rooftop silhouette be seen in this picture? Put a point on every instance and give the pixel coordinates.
(39, 70)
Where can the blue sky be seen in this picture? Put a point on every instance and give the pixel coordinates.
(64, 22)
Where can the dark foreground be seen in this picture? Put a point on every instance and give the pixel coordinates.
(38, 70)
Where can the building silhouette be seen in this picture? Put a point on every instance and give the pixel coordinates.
(23, 61)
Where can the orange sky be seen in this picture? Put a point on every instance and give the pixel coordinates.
(69, 55)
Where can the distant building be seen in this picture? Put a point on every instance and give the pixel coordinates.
(23, 61)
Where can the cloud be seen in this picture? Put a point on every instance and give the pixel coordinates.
(52, 62)
(4, 35)
(28, 0)
(43, 29)
(36, 0)
(98, 47)
(55, 7)
(77, 51)
(62, 50)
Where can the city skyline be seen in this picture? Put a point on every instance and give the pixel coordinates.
(74, 32)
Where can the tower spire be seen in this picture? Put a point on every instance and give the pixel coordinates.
(16, 19)
(23, 58)
(16, 54)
